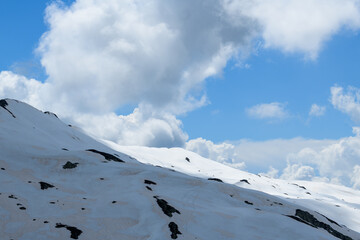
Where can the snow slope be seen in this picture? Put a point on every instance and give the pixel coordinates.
(58, 183)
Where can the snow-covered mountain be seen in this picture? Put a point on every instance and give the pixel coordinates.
(58, 183)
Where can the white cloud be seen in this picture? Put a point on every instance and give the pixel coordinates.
(223, 152)
(348, 102)
(317, 110)
(255, 156)
(298, 26)
(130, 51)
(272, 110)
(355, 179)
(298, 172)
(20, 87)
(336, 161)
(142, 127)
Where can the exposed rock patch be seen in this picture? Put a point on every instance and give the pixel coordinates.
(167, 209)
(215, 179)
(45, 185)
(75, 233)
(50, 113)
(70, 165)
(187, 159)
(245, 181)
(3, 104)
(309, 219)
(149, 182)
(107, 156)
(12, 196)
(174, 229)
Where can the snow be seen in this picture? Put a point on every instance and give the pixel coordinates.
(110, 200)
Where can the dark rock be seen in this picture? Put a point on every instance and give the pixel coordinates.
(215, 179)
(148, 188)
(3, 169)
(46, 222)
(107, 156)
(12, 196)
(50, 113)
(308, 193)
(330, 220)
(245, 181)
(277, 203)
(174, 229)
(22, 208)
(165, 207)
(83, 209)
(65, 149)
(101, 178)
(309, 219)
(149, 182)
(247, 202)
(75, 233)
(70, 165)
(113, 202)
(299, 220)
(44, 185)
(299, 186)
(52, 202)
(3, 104)
(187, 159)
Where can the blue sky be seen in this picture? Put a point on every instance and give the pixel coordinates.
(272, 76)
(277, 77)
(176, 74)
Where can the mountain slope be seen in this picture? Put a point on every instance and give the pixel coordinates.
(58, 183)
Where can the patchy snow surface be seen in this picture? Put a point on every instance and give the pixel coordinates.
(58, 183)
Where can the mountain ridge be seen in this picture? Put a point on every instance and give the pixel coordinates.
(118, 192)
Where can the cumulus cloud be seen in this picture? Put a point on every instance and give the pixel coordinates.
(142, 127)
(272, 110)
(347, 102)
(337, 162)
(255, 156)
(355, 179)
(224, 152)
(134, 52)
(298, 172)
(317, 110)
(298, 26)
(19, 87)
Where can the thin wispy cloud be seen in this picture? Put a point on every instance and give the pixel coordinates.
(317, 110)
(347, 102)
(269, 111)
